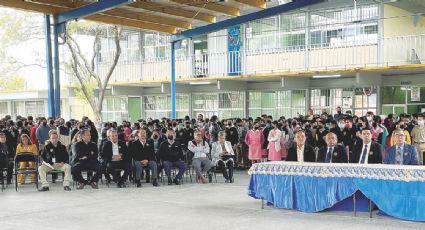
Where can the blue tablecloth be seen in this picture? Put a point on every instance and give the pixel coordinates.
(399, 191)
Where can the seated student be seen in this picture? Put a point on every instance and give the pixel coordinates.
(200, 161)
(222, 156)
(25, 146)
(300, 151)
(332, 153)
(86, 154)
(143, 154)
(401, 153)
(7, 154)
(171, 154)
(55, 155)
(114, 153)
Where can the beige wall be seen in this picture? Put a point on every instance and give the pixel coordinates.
(394, 26)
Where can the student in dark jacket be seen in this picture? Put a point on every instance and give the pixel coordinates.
(332, 153)
(171, 154)
(56, 156)
(300, 151)
(86, 155)
(115, 154)
(7, 155)
(143, 154)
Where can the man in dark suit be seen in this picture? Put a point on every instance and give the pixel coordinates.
(366, 151)
(114, 153)
(143, 153)
(401, 153)
(301, 152)
(332, 153)
(86, 159)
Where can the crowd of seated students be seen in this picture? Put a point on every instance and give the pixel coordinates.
(147, 148)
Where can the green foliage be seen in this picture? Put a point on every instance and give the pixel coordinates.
(12, 84)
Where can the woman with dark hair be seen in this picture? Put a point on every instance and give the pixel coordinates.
(275, 142)
(26, 146)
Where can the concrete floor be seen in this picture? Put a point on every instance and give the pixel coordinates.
(190, 206)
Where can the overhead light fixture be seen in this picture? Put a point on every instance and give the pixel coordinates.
(197, 41)
(327, 76)
(200, 83)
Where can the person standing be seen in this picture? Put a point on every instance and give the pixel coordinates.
(275, 146)
(42, 133)
(255, 139)
(418, 137)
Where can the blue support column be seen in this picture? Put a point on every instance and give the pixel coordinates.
(56, 72)
(50, 85)
(173, 81)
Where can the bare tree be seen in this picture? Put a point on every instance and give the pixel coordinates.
(93, 86)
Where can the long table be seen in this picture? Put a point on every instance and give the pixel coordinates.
(398, 191)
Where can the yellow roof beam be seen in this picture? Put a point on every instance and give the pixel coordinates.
(31, 6)
(255, 3)
(122, 13)
(205, 4)
(148, 18)
(133, 23)
(162, 8)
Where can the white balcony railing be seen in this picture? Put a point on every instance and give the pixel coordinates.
(395, 51)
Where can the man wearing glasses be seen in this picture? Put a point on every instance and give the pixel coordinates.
(401, 153)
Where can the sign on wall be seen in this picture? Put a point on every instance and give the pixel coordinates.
(415, 94)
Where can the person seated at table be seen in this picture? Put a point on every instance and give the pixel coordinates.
(401, 153)
(301, 152)
(114, 153)
(222, 156)
(171, 154)
(7, 155)
(26, 146)
(56, 155)
(86, 154)
(366, 151)
(200, 161)
(333, 152)
(143, 154)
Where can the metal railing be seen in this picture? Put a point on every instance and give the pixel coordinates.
(334, 55)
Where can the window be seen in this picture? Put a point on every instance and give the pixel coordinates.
(130, 48)
(156, 45)
(290, 103)
(4, 109)
(160, 106)
(347, 26)
(115, 109)
(261, 103)
(231, 105)
(364, 103)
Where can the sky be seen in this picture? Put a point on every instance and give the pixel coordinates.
(32, 52)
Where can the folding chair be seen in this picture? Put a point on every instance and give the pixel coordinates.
(25, 157)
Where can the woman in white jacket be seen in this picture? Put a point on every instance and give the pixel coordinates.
(222, 156)
(275, 143)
